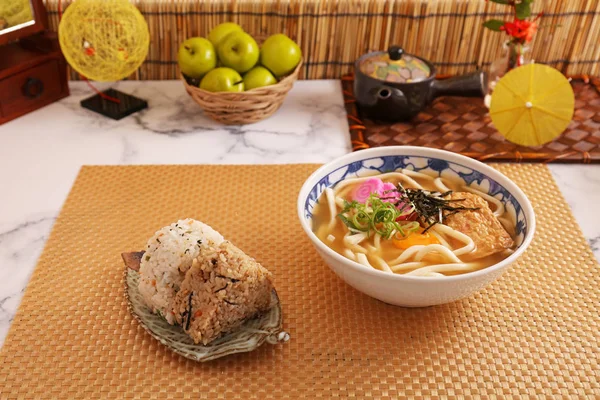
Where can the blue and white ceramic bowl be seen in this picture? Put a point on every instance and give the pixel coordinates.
(414, 291)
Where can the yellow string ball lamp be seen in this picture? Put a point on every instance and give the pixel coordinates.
(104, 40)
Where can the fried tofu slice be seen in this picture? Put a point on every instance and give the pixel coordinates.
(481, 225)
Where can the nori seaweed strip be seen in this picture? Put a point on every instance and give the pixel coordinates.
(184, 315)
(223, 288)
(430, 206)
(230, 303)
(189, 312)
(233, 280)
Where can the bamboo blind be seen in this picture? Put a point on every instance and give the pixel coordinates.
(334, 33)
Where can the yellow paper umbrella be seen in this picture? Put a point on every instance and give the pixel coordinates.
(532, 104)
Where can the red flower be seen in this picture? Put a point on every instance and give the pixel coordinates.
(521, 30)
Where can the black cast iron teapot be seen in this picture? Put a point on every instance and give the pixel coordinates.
(395, 86)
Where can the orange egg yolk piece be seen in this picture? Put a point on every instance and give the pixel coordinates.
(414, 239)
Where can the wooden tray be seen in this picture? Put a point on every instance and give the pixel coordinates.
(533, 332)
(463, 125)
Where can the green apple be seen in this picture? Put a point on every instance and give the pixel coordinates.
(280, 54)
(219, 32)
(196, 57)
(222, 80)
(238, 51)
(258, 77)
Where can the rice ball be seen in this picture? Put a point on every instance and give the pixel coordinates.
(169, 255)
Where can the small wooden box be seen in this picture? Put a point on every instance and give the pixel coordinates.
(33, 72)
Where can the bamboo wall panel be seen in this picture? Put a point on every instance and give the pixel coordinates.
(334, 33)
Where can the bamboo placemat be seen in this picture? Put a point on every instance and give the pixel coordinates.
(463, 125)
(532, 332)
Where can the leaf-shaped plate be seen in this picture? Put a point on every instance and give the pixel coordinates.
(249, 336)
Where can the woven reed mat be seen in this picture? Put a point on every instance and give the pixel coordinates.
(534, 331)
(463, 125)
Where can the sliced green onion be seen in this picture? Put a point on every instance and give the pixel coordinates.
(375, 215)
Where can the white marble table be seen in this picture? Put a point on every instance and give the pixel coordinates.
(41, 153)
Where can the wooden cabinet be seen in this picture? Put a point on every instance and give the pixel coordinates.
(31, 89)
(33, 72)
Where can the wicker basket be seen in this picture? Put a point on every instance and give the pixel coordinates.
(241, 108)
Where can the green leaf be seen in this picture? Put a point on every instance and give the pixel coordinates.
(523, 9)
(501, 1)
(494, 24)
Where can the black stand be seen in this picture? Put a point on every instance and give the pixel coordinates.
(127, 104)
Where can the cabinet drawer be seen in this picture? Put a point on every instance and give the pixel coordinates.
(31, 87)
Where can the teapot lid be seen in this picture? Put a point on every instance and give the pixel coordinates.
(395, 66)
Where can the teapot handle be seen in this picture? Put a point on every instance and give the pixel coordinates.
(474, 84)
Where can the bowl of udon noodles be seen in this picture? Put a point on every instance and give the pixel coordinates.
(414, 226)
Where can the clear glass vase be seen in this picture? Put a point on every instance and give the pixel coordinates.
(513, 55)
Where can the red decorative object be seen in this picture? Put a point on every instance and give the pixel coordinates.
(521, 31)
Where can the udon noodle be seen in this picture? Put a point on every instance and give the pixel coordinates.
(390, 222)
